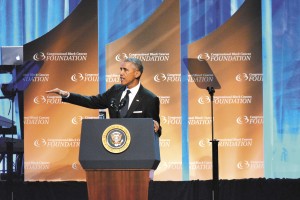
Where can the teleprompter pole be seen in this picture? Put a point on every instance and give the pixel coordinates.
(215, 162)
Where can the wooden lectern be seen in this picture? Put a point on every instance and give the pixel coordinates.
(117, 155)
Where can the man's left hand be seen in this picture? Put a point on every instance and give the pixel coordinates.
(156, 126)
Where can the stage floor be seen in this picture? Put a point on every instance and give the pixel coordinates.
(244, 189)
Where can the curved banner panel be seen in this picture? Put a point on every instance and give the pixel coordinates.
(157, 44)
(229, 60)
(66, 58)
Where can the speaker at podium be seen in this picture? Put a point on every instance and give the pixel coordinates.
(118, 155)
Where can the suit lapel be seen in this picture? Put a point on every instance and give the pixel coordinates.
(118, 96)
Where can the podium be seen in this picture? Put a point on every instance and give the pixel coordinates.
(117, 155)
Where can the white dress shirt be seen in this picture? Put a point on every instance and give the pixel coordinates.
(133, 92)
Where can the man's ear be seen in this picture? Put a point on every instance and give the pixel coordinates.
(137, 74)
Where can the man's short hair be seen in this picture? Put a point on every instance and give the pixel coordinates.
(136, 62)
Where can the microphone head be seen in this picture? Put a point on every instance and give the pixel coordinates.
(122, 103)
(112, 102)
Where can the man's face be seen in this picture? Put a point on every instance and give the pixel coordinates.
(129, 74)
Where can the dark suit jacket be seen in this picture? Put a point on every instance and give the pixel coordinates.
(144, 105)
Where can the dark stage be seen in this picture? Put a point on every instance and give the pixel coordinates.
(244, 189)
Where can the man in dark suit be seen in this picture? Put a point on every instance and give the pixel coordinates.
(140, 103)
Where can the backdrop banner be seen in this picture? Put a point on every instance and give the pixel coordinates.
(157, 44)
(230, 60)
(67, 58)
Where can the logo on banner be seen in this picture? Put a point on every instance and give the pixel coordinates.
(234, 99)
(228, 142)
(164, 99)
(204, 142)
(201, 78)
(116, 138)
(145, 57)
(204, 100)
(85, 77)
(113, 78)
(121, 56)
(161, 77)
(165, 143)
(37, 120)
(246, 164)
(249, 77)
(225, 57)
(203, 56)
(60, 56)
(35, 77)
(41, 99)
(201, 165)
(197, 78)
(76, 166)
(39, 142)
(199, 120)
(78, 119)
(250, 120)
(170, 165)
(36, 165)
(40, 56)
(171, 120)
(57, 143)
(236, 142)
(243, 164)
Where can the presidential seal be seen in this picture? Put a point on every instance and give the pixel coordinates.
(116, 138)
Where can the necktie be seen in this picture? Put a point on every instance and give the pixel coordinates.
(124, 109)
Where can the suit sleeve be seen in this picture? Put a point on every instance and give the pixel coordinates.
(153, 108)
(100, 101)
(93, 102)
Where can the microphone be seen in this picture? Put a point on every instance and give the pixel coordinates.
(113, 104)
(122, 103)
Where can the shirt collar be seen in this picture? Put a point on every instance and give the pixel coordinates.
(135, 89)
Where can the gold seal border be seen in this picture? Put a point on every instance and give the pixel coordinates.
(115, 150)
